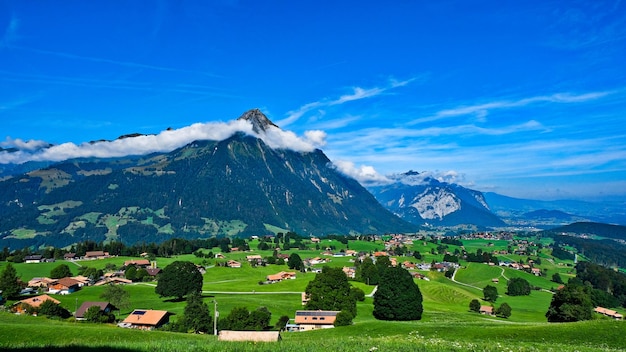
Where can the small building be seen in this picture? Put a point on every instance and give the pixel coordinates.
(349, 271)
(69, 256)
(315, 319)
(609, 313)
(91, 255)
(34, 302)
(305, 298)
(146, 319)
(252, 336)
(40, 282)
(283, 275)
(63, 286)
(104, 307)
(233, 264)
(495, 280)
(140, 263)
(33, 259)
(486, 310)
(153, 271)
(113, 280)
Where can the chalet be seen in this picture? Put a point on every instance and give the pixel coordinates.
(69, 256)
(254, 259)
(91, 255)
(233, 264)
(33, 259)
(495, 280)
(140, 263)
(609, 313)
(381, 254)
(82, 280)
(419, 276)
(201, 269)
(252, 336)
(315, 240)
(315, 319)
(40, 282)
(113, 280)
(408, 265)
(536, 271)
(104, 307)
(63, 286)
(283, 275)
(153, 271)
(349, 271)
(487, 310)
(20, 307)
(351, 252)
(145, 319)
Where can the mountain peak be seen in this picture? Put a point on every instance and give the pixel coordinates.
(260, 122)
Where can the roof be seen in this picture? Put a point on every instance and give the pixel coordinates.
(37, 301)
(323, 317)
(146, 317)
(137, 262)
(95, 254)
(66, 281)
(255, 336)
(486, 309)
(86, 305)
(153, 271)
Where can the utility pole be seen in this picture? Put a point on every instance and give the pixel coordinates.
(216, 314)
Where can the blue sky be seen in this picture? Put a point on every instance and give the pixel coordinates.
(523, 98)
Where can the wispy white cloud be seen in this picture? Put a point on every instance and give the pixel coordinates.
(482, 110)
(364, 174)
(163, 142)
(358, 93)
(113, 62)
(10, 34)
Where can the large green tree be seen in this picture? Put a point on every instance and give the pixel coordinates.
(9, 284)
(60, 271)
(51, 309)
(117, 296)
(197, 317)
(504, 311)
(398, 297)
(295, 262)
(518, 286)
(474, 305)
(330, 290)
(240, 318)
(178, 280)
(490, 293)
(571, 303)
(367, 272)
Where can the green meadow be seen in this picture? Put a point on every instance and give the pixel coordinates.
(446, 325)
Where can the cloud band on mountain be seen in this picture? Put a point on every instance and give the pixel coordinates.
(162, 142)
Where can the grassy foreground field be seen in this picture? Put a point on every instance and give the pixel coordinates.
(24, 333)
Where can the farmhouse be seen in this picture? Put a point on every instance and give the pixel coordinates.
(63, 286)
(283, 275)
(96, 255)
(609, 313)
(40, 282)
(33, 259)
(113, 281)
(315, 319)
(104, 307)
(233, 264)
(145, 319)
(253, 336)
(21, 306)
(487, 310)
(349, 271)
(141, 263)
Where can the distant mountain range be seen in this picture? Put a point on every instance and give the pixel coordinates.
(428, 201)
(237, 186)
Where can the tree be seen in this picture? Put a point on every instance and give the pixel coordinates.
(571, 303)
(330, 290)
(504, 311)
(51, 309)
(131, 273)
(282, 322)
(117, 296)
(357, 293)
(397, 297)
(474, 306)
(490, 293)
(343, 319)
(95, 315)
(242, 319)
(60, 271)
(557, 278)
(367, 272)
(197, 317)
(9, 284)
(295, 262)
(518, 286)
(178, 280)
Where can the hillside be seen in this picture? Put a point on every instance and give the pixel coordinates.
(593, 228)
